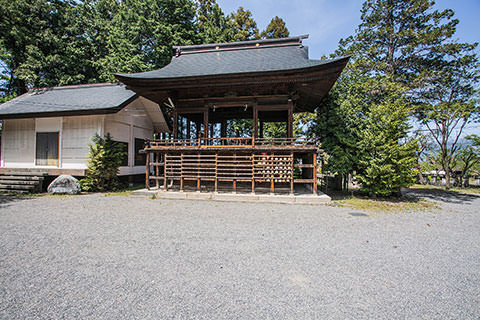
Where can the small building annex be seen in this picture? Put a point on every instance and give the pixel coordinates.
(48, 130)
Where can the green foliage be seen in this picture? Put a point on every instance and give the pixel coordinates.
(386, 160)
(144, 32)
(245, 27)
(213, 25)
(105, 157)
(275, 29)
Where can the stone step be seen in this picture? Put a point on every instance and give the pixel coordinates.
(18, 182)
(14, 177)
(26, 173)
(16, 187)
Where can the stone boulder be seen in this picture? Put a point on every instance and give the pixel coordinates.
(64, 184)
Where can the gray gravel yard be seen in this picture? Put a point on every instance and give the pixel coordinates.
(117, 257)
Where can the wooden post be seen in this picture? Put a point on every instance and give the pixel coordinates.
(291, 174)
(205, 123)
(181, 172)
(253, 173)
(315, 173)
(188, 129)
(175, 124)
(211, 130)
(223, 129)
(290, 119)
(157, 181)
(216, 172)
(272, 174)
(147, 174)
(255, 122)
(261, 128)
(165, 186)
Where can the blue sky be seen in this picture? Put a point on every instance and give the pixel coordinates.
(327, 21)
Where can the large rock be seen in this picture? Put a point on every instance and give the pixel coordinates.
(64, 184)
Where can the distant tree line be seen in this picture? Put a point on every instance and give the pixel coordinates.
(60, 42)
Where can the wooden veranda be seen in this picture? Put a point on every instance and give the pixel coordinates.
(253, 162)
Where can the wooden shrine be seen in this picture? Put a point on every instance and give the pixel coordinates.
(208, 90)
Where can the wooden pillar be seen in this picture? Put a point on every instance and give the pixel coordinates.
(216, 172)
(189, 124)
(157, 173)
(198, 130)
(205, 123)
(223, 129)
(315, 173)
(165, 186)
(290, 119)
(211, 130)
(291, 174)
(261, 128)
(175, 124)
(272, 173)
(255, 122)
(253, 172)
(147, 173)
(181, 172)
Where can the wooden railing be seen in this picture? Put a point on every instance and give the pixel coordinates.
(246, 142)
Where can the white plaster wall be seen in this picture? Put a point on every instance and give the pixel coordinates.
(18, 137)
(18, 143)
(77, 133)
(130, 123)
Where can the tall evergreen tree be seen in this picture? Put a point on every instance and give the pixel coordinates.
(144, 32)
(276, 29)
(213, 25)
(245, 27)
(34, 34)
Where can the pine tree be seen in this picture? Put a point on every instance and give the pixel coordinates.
(245, 27)
(213, 25)
(144, 32)
(105, 158)
(276, 29)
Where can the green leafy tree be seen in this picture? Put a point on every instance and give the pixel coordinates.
(276, 29)
(105, 158)
(213, 25)
(245, 27)
(144, 32)
(34, 35)
(468, 158)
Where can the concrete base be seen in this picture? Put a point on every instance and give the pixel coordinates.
(320, 198)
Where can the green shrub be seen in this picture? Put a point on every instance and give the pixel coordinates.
(105, 157)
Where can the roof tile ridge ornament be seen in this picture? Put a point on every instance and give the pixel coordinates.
(238, 45)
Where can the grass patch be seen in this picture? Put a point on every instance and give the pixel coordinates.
(404, 204)
(468, 190)
(124, 192)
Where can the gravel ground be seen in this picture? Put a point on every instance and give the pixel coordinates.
(97, 257)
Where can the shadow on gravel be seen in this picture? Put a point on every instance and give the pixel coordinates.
(443, 195)
(413, 195)
(8, 199)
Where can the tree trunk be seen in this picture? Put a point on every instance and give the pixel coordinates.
(448, 184)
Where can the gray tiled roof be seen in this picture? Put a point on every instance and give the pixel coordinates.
(84, 99)
(234, 58)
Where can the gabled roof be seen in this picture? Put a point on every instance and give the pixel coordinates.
(234, 58)
(68, 100)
